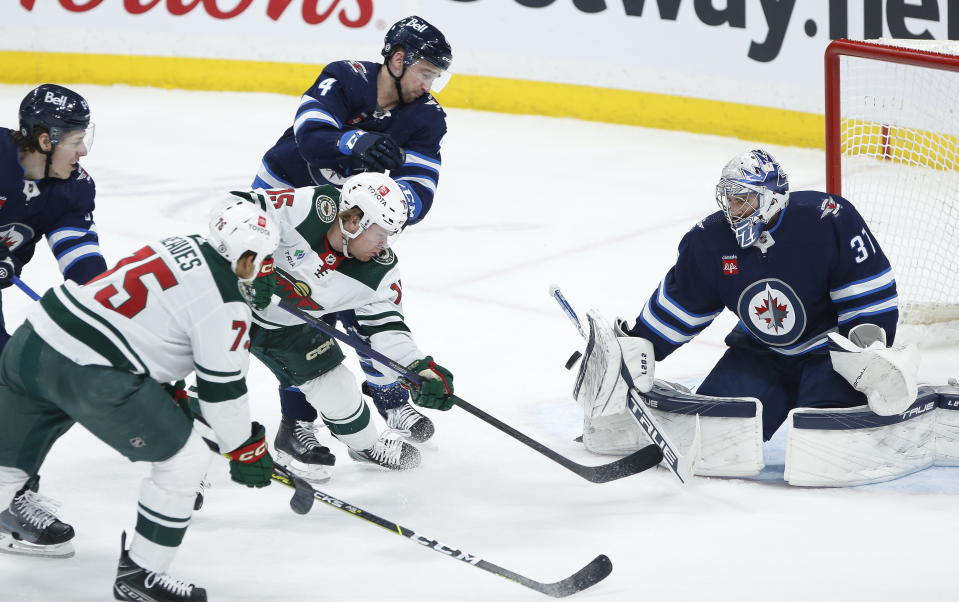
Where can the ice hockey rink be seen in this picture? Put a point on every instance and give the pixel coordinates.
(523, 203)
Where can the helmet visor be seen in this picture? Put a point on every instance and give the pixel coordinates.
(77, 141)
(428, 73)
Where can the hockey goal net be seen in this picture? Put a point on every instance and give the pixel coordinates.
(892, 148)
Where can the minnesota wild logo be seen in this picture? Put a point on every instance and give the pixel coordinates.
(325, 208)
(386, 257)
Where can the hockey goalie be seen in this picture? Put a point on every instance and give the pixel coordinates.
(817, 308)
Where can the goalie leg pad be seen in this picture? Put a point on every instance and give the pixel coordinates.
(947, 426)
(730, 438)
(841, 447)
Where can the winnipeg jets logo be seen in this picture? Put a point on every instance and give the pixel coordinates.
(12, 236)
(30, 190)
(772, 312)
(332, 176)
(829, 207)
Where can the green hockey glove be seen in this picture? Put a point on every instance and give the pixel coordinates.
(251, 464)
(437, 387)
(259, 292)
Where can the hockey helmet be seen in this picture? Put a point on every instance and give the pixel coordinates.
(420, 40)
(381, 200)
(752, 190)
(241, 227)
(57, 109)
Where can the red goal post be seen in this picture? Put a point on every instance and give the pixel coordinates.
(892, 148)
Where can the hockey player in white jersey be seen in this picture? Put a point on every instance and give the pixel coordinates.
(335, 255)
(97, 354)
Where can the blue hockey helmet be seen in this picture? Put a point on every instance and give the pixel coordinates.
(55, 108)
(420, 40)
(752, 190)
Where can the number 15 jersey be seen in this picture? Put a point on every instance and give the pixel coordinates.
(171, 308)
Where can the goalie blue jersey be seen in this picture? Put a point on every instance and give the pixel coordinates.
(817, 270)
(61, 210)
(344, 98)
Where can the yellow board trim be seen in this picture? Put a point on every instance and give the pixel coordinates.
(476, 92)
(896, 144)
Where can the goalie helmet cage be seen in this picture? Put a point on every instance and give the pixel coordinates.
(892, 148)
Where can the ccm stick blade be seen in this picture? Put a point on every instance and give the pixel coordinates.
(304, 496)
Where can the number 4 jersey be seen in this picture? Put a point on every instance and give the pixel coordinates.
(817, 270)
(171, 308)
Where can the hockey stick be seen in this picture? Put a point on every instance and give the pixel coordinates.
(23, 287)
(638, 461)
(636, 404)
(304, 495)
(591, 574)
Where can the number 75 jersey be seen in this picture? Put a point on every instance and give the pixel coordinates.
(171, 308)
(817, 270)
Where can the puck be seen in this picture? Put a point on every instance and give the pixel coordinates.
(573, 359)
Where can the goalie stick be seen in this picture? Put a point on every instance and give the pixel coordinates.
(636, 404)
(304, 495)
(638, 461)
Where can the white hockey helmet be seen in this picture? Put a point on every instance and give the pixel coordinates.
(382, 201)
(756, 180)
(240, 227)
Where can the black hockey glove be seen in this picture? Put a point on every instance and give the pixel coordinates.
(9, 267)
(371, 151)
(436, 389)
(251, 464)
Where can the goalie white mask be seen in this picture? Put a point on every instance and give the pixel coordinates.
(241, 227)
(752, 190)
(382, 201)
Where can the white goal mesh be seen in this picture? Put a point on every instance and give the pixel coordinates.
(899, 164)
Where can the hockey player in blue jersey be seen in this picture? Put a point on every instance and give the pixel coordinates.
(794, 267)
(362, 116)
(814, 294)
(45, 192)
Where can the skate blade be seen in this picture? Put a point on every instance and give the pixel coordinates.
(314, 473)
(9, 545)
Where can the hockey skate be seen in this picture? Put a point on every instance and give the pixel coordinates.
(389, 451)
(407, 420)
(30, 527)
(403, 417)
(137, 584)
(296, 449)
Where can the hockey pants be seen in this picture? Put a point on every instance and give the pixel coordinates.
(43, 393)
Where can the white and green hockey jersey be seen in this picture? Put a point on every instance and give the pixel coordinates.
(172, 308)
(322, 281)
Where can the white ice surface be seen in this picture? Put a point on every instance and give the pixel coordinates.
(524, 202)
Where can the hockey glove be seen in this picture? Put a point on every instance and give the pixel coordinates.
(885, 375)
(371, 151)
(251, 464)
(260, 292)
(436, 388)
(180, 396)
(9, 267)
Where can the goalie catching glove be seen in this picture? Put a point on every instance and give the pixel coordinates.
(886, 375)
(435, 390)
(600, 386)
(251, 464)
